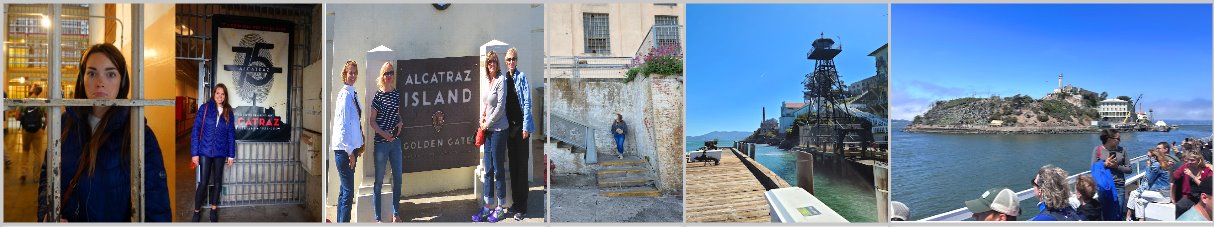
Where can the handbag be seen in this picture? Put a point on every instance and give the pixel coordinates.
(480, 134)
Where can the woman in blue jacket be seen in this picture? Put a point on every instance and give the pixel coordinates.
(212, 144)
(95, 172)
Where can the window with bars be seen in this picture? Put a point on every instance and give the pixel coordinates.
(666, 29)
(598, 33)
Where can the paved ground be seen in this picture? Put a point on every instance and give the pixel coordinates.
(455, 206)
(186, 187)
(576, 198)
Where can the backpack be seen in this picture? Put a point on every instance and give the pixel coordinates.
(32, 119)
(1106, 192)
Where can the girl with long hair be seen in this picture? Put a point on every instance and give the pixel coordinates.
(95, 174)
(212, 145)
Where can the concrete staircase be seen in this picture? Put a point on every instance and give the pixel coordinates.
(628, 177)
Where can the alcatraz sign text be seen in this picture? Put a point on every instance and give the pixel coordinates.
(452, 96)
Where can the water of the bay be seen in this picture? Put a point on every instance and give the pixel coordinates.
(935, 173)
(851, 198)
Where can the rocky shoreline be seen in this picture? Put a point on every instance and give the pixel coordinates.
(1001, 130)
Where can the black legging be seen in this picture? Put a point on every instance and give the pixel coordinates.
(519, 156)
(212, 174)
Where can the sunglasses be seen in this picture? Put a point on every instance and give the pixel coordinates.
(511, 59)
(389, 73)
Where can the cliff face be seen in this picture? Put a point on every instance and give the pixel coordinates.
(1070, 109)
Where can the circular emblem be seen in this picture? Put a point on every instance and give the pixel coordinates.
(438, 119)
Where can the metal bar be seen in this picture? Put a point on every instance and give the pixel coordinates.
(89, 102)
(137, 119)
(53, 133)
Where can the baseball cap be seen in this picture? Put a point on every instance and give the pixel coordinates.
(1002, 200)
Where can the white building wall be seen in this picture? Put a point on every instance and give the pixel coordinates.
(419, 31)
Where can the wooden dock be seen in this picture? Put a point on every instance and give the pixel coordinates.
(728, 192)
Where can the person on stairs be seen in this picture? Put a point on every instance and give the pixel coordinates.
(619, 129)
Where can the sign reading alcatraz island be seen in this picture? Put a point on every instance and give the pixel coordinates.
(439, 108)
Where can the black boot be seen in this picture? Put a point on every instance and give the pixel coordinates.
(215, 215)
(197, 216)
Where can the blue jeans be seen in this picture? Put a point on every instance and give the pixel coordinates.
(345, 197)
(495, 164)
(387, 153)
(619, 143)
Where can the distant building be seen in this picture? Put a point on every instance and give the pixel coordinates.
(877, 101)
(607, 34)
(1116, 111)
(1067, 89)
(789, 112)
(881, 55)
(996, 123)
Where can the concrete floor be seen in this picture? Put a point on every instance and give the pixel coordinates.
(186, 187)
(21, 170)
(575, 198)
(454, 206)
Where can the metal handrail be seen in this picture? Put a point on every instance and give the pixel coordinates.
(960, 214)
(574, 133)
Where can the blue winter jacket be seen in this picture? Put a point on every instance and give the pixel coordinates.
(105, 195)
(216, 140)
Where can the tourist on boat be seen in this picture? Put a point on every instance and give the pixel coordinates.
(1186, 147)
(1153, 188)
(1206, 151)
(494, 125)
(1085, 191)
(347, 138)
(901, 211)
(1051, 189)
(1188, 176)
(1201, 210)
(1114, 157)
(385, 110)
(1106, 192)
(1166, 149)
(619, 129)
(996, 204)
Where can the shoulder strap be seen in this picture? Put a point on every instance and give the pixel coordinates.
(204, 120)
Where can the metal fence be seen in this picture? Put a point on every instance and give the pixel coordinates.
(265, 173)
(585, 67)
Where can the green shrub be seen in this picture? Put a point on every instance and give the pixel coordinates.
(631, 74)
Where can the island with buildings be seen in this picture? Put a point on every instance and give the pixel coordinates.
(1067, 109)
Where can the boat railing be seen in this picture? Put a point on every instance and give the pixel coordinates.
(1138, 164)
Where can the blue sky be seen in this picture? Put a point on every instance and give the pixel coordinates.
(950, 51)
(744, 57)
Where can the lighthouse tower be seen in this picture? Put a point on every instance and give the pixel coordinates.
(1060, 81)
